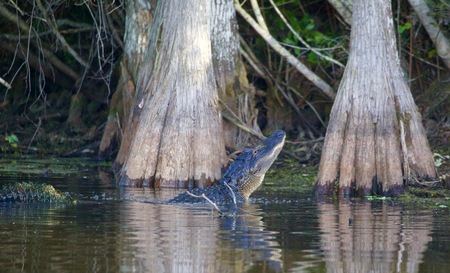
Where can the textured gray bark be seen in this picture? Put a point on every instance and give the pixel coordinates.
(138, 19)
(178, 136)
(225, 42)
(375, 139)
(234, 92)
(344, 8)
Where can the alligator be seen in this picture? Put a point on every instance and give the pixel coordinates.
(30, 192)
(242, 177)
(240, 180)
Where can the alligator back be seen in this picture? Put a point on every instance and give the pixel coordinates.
(24, 192)
(239, 169)
(219, 194)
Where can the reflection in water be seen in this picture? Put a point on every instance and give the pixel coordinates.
(115, 236)
(282, 232)
(373, 237)
(179, 242)
(57, 238)
(247, 233)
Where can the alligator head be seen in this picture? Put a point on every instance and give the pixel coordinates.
(253, 164)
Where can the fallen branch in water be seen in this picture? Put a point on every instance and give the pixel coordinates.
(203, 196)
(232, 194)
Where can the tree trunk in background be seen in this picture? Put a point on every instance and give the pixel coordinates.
(437, 36)
(178, 136)
(441, 42)
(234, 91)
(138, 19)
(344, 8)
(375, 140)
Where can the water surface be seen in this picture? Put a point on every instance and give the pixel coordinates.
(279, 231)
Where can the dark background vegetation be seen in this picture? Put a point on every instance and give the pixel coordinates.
(59, 105)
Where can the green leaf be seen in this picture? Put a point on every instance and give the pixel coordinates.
(289, 41)
(432, 53)
(13, 140)
(402, 28)
(312, 58)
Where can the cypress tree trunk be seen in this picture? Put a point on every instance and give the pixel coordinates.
(139, 15)
(375, 140)
(234, 91)
(178, 136)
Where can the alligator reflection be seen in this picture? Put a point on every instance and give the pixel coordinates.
(246, 232)
(195, 239)
(372, 237)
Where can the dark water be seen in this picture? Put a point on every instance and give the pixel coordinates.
(277, 232)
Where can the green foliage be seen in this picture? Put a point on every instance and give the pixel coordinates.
(290, 176)
(377, 198)
(307, 29)
(404, 27)
(418, 196)
(440, 10)
(440, 159)
(427, 197)
(303, 18)
(432, 53)
(13, 140)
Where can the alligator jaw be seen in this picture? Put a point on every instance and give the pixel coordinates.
(260, 161)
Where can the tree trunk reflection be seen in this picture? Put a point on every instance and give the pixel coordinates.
(182, 243)
(372, 237)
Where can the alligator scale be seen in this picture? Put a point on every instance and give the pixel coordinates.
(240, 180)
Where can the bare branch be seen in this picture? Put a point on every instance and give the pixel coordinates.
(258, 15)
(232, 194)
(436, 35)
(47, 53)
(203, 196)
(44, 33)
(331, 60)
(60, 64)
(233, 118)
(316, 80)
(52, 24)
(4, 12)
(5, 83)
(34, 62)
(273, 81)
(114, 30)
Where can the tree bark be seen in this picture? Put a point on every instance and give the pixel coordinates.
(235, 93)
(344, 8)
(139, 15)
(375, 140)
(178, 138)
